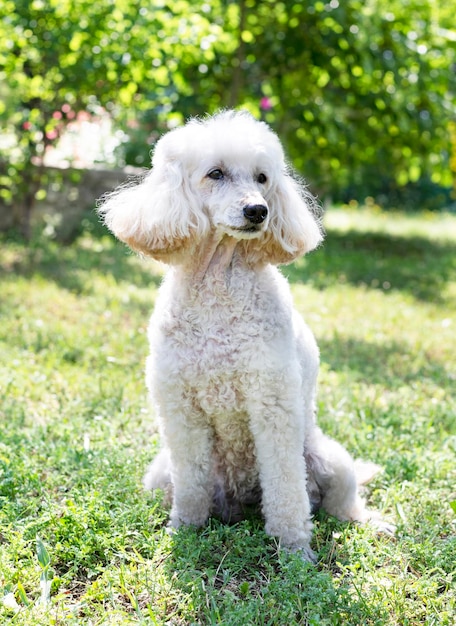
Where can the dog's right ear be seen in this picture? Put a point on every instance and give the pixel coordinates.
(160, 216)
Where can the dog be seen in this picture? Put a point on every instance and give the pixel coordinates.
(233, 368)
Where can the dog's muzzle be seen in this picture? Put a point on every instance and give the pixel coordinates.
(255, 213)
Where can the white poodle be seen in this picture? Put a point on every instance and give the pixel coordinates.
(233, 367)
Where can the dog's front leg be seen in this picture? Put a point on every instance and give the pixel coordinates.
(190, 448)
(277, 429)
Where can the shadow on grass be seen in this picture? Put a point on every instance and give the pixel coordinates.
(384, 363)
(69, 265)
(235, 575)
(414, 264)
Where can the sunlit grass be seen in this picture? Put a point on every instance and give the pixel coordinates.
(76, 434)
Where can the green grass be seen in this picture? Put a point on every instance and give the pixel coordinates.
(81, 543)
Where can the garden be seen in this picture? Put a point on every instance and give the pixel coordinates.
(363, 96)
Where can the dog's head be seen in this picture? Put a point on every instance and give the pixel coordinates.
(226, 174)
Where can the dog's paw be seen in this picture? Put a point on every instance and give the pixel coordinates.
(375, 520)
(382, 527)
(173, 526)
(187, 518)
(305, 552)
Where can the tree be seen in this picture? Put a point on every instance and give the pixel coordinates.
(362, 92)
(58, 57)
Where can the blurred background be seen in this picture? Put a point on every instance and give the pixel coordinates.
(362, 94)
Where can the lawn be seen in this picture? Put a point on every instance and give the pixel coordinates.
(82, 543)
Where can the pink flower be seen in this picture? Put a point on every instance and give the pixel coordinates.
(52, 134)
(265, 104)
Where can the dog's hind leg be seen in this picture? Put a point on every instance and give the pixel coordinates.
(332, 473)
(335, 478)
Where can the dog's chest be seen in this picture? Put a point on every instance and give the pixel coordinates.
(213, 344)
(219, 332)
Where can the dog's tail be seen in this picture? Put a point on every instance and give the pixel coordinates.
(365, 471)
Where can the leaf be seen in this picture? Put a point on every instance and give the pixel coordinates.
(244, 588)
(453, 505)
(42, 554)
(22, 594)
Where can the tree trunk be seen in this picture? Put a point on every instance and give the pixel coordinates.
(238, 73)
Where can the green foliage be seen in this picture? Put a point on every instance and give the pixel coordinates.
(81, 543)
(363, 93)
(58, 58)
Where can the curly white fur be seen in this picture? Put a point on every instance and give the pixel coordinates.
(233, 368)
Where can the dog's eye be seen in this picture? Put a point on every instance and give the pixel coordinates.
(216, 174)
(262, 178)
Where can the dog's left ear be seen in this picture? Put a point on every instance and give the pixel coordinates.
(294, 227)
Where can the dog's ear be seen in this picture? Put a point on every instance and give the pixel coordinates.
(161, 216)
(294, 227)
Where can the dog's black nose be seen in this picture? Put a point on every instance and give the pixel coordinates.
(255, 213)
